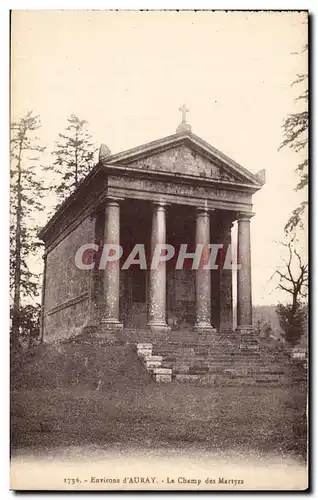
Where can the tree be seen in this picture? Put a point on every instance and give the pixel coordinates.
(295, 128)
(293, 279)
(292, 321)
(74, 155)
(26, 192)
(29, 324)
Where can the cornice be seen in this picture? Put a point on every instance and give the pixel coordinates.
(152, 174)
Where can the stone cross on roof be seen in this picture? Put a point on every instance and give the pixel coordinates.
(184, 110)
(184, 126)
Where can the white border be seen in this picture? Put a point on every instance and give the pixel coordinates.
(4, 51)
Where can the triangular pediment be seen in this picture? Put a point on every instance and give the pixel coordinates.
(182, 160)
(188, 155)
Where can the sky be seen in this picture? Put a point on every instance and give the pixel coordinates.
(127, 74)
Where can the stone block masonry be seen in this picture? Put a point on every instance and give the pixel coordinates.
(67, 289)
(223, 363)
(153, 363)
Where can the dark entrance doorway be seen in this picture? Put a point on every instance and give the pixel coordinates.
(135, 226)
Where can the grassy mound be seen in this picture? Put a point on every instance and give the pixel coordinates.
(76, 394)
(70, 365)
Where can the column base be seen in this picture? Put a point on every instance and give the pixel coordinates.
(158, 327)
(204, 328)
(111, 324)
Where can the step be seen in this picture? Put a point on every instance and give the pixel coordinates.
(144, 346)
(212, 352)
(210, 364)
(180, 377)
(162, 375)
(152, 357)
(152, 364)
(141, 353)
(220, 360)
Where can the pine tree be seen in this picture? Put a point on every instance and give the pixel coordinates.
(295, 128)
(74, 155)
(26, 191)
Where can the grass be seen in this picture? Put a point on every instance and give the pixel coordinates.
(54, 400)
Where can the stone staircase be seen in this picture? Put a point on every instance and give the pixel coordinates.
(221, 359)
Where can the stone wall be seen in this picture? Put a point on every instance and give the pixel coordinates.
(181, 297)
(67, 290)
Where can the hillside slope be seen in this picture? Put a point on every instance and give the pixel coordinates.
(91, 365)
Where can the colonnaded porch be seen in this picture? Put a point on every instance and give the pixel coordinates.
(168, 298)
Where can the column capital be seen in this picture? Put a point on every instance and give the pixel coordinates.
(204, 210)
(160, 204)
(113, 200)
(245, 216)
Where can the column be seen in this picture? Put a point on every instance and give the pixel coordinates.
(244, 282)
(157, 277)
(226, 296)
(203, 276)
(110, 319)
